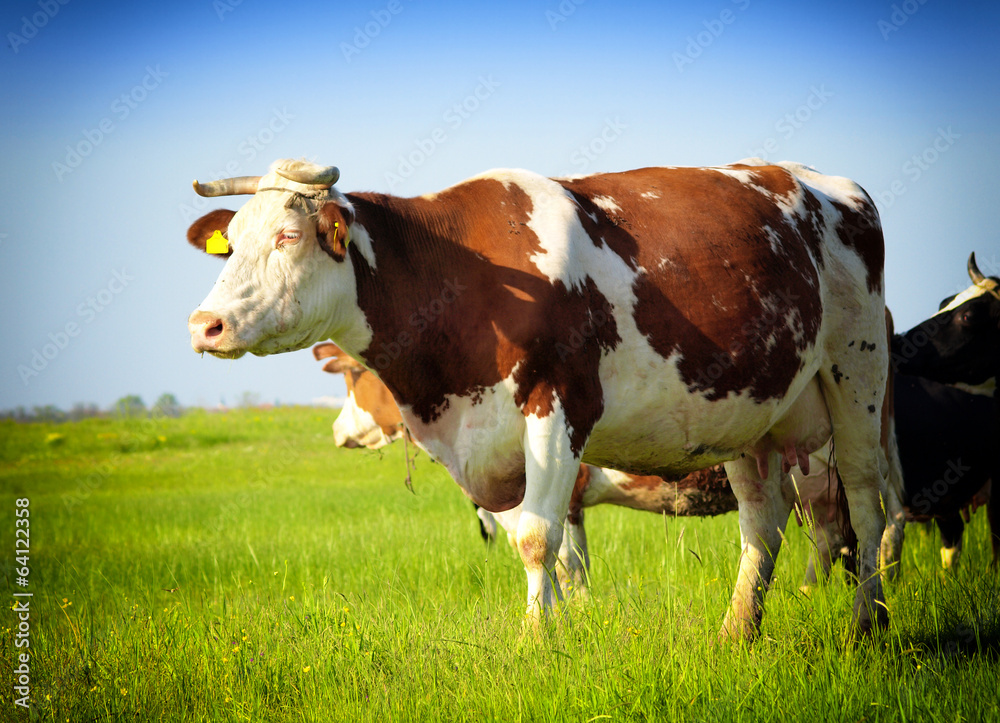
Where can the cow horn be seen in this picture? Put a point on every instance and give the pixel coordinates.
(974, 273)
(309, 174)
(228, 186)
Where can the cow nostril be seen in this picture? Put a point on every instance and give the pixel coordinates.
(214, 330)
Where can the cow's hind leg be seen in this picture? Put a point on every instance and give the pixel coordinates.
(993, 509)
(952, 528)
(764, 508)
(854, 397)
(574, 558)
(550, 467)
(828, 549)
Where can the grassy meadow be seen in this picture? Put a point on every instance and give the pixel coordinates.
(238, 567)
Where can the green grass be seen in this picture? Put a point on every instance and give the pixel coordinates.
(239, 567)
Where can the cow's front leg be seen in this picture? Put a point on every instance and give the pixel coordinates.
(550, 467)
(764, 510)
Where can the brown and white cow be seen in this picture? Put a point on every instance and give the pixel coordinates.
(369, 417)
(657, 321)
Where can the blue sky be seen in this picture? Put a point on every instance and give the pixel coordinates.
(110, 111)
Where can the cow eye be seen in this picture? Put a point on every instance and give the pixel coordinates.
(287, 238)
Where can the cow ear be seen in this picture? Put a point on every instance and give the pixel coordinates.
(205, 227)
(325, 350)
(332, 230)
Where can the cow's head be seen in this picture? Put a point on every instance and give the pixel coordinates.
(285, 284)
(369, 417)
(960, 344)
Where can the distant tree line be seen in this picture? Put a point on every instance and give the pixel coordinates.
(128, 406)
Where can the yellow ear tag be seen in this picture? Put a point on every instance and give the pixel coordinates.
(217, 243)
(347, 235)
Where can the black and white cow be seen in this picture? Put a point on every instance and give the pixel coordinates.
(960, 346)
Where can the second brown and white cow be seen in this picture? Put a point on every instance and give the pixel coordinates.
(657, 321)
(369, 417)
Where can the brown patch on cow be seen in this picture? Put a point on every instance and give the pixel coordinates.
(704, 493)
(203, 228)
(462, 343)
(648, 482)
(575, 514)
(697, 253)
(540, 398)
(861, 231)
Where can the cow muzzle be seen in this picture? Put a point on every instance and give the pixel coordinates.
(211, 333)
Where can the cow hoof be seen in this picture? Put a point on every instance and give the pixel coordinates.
(866, 625)
(949, 557)
(738, 631)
